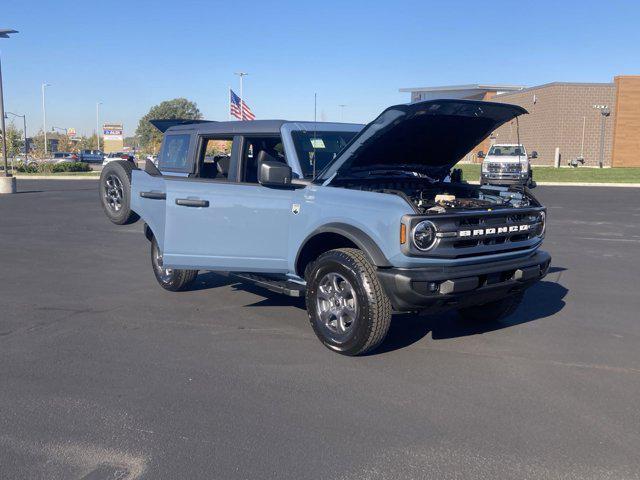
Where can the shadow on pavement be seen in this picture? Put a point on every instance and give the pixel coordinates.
(542, 300)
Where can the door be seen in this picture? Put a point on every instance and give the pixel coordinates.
(229, 224)
(148, 200)
(226, 226)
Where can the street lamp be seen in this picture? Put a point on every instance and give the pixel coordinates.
(241, 75)
(604, 113)
(44, 117)
(24, 128)
(98, 124)
(4, 33)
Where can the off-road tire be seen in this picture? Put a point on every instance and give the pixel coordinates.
(174, 281)
(115, 192)
(373, 306)
(492, 311)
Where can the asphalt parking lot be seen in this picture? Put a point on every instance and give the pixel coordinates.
(104, 375)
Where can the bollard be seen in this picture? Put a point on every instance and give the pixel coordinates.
(556, 158)
(7, 184)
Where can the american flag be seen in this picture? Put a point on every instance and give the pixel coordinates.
(234, 104)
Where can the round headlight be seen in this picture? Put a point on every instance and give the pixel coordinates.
(424, 235)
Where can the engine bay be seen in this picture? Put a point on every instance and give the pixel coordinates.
(429, 197)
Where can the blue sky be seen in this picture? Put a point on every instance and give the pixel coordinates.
(132, 55)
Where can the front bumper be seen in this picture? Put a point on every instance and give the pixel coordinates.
(442, 288)
(503, 179)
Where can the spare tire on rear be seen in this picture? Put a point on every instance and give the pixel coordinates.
(115, 192)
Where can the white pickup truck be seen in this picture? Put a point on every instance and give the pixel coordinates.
(507, 164)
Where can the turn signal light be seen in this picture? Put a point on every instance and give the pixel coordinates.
(403, 234)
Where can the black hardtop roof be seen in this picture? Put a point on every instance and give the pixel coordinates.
(211, 127)
(233, 127)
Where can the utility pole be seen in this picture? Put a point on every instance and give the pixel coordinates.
(44, 117)
(98, 124)
(342, 105)
(2, 125)
(241, 75)
(7, 181)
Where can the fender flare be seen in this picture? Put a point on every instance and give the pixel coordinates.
(363, 241)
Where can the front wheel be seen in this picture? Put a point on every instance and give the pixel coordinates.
(171, 279)
(347, 307)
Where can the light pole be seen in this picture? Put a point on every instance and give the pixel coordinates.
(241, 75)
(604, 113)
(44, 117)
(4, 33)
(24, 128)
(342, 105)
(98, 124)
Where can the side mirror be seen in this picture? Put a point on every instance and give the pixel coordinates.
(534, 154)
(273, 173)
(480, 154)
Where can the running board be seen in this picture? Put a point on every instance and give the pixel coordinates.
(278, 285)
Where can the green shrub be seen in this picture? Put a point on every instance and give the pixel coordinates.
(70, 167)
(50, 167)
(30, 168)
(45, 167)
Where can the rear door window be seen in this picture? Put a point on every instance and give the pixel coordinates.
(175, 154)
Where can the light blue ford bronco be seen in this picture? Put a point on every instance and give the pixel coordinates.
(361, 220)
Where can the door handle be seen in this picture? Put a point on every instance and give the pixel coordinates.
(191, 202)
(154, 195)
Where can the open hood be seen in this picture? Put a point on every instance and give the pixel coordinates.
(430, 136)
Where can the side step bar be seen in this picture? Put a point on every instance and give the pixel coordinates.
(275, 284)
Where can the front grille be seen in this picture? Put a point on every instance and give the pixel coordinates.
(476, 234)
(504, 168)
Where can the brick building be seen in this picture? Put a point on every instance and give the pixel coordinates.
(563, 115)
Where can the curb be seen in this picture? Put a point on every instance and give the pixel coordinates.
(584, 184)
(56, 177)
(579, 184)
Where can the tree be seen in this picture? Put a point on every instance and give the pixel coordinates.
(15, 140)
(149, 136)
(87, 143)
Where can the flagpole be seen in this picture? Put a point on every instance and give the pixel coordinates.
(229, 109)
(241, 75)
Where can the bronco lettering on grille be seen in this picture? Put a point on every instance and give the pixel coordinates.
(480, 232)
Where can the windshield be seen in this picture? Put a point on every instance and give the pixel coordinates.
(506, 150)
(321, 147)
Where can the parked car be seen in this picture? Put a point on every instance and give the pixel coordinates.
(110, 157)
(59, 157)
(91, 156)
(507, 164)
(358, 219)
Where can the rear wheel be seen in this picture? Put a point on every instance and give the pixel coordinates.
(170, 278)
(492, 311)
(115, 192)
(348, 310)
